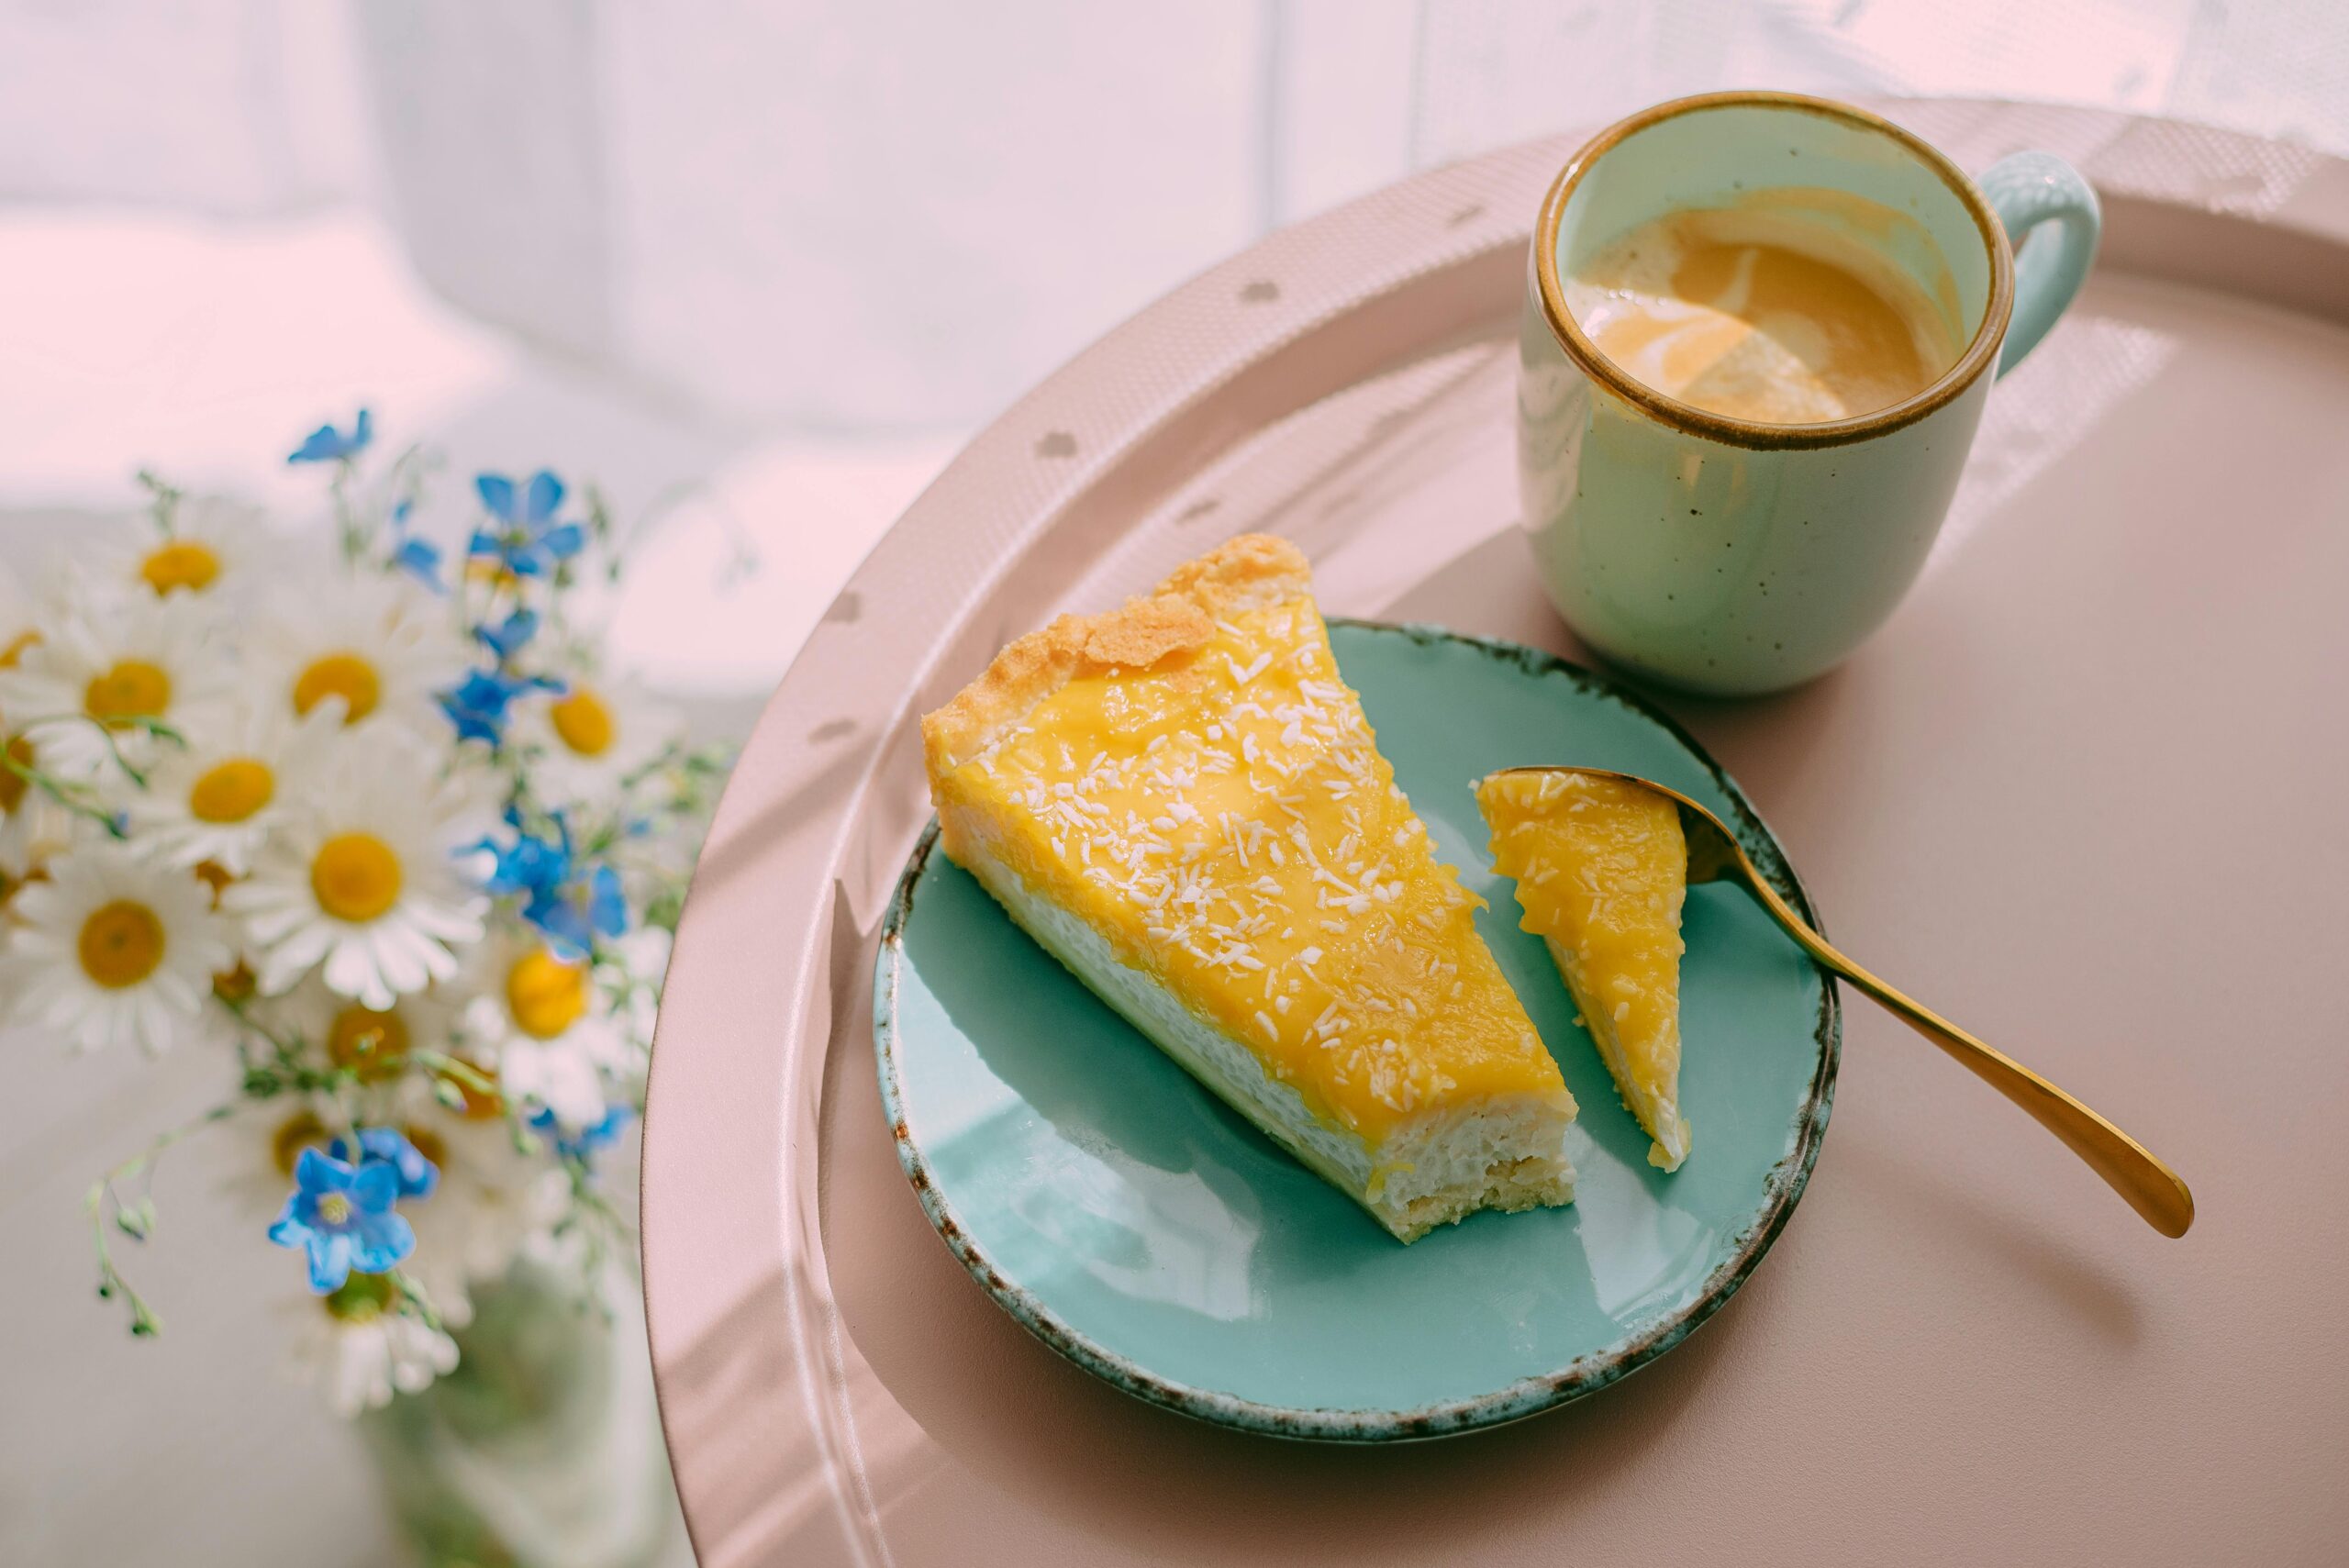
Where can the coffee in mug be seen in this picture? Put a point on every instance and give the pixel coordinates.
(1758, 315)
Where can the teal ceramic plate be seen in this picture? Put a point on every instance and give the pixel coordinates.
(1137, 1225)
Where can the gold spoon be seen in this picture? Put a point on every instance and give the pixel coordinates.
(2152, 1188)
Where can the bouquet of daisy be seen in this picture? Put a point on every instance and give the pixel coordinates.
(383, 835)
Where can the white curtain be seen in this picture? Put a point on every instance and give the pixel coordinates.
(836, 217)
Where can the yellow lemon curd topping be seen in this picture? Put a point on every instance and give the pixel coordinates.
(344, 675)
(1224, 819)
(180, 563)
(1601, 870)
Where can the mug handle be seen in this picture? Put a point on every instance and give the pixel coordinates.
(2028, 189)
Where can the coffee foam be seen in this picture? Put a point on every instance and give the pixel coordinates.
(1760, 312)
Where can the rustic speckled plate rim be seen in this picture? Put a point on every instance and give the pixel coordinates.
(1782, 1189)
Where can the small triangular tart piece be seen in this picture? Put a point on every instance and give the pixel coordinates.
(1182, 801)
(1601, 870)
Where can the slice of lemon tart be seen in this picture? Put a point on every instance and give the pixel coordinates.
(1601, 870)
(1182, 801)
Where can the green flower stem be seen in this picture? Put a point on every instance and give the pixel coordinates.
(415, 1300)
(287, 1072)
(72, 797)
(137, 1220)
(350, 532)
(463, 1072)
(165, 498)
(110, 731)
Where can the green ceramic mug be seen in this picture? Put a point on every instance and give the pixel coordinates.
(1728, 556)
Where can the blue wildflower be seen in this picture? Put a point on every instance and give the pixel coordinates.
(531, 864)
(570, 903)
(588, 1141)
(420, 559)
(507, 636)
(477, 704)
(526, 542)
(389, 1146)
(326, 444)
(573, 912)
(342, 1217)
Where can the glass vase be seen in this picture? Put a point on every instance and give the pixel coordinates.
(543, 1449)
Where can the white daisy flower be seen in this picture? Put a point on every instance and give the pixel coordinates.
(106, 662)
(275, 1134)
(642, 967)
(366, 881)
(215, 802)
(537, 1016)
(494, 1201)
(32, 826)
(586, 739)
(376, 1044)
(376, 649)
(112, 948)
(469, 1214)
(19, 619)
(495, 1198)
(359, 1349)
(208, 545)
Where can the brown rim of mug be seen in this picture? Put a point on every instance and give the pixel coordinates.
(1978, 354)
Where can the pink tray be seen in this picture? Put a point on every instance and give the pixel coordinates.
(2072, 794)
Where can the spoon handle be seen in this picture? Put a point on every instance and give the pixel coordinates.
(2128, 1167)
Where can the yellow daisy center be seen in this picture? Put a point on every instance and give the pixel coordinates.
(14, 648)
(428, 1144)
(235, 986)
(131, 689)
(301, 1131)
(13, 784)
(371, 1044)
(545, 993)
(121, 943)
(231, 791)
(216, 877)
(362, 1299)
(344, 675)
(583, 722)
(355, 876)
(180, 563)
